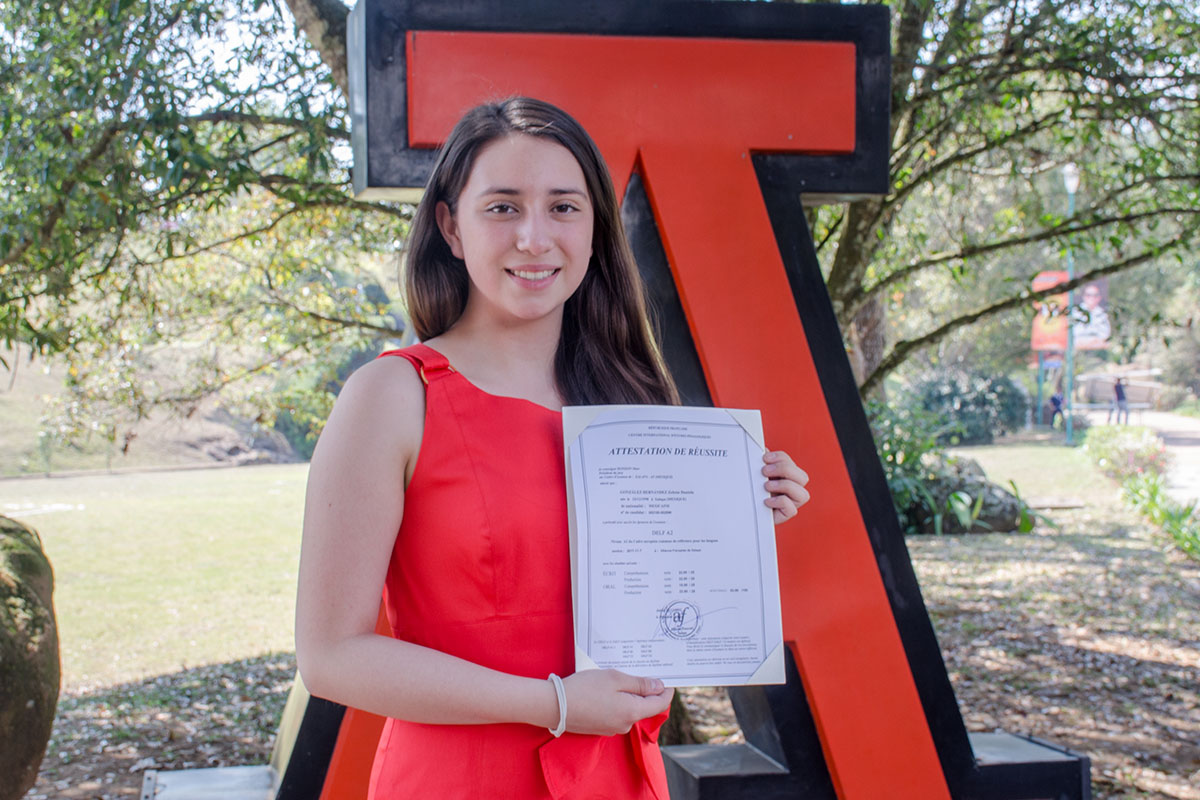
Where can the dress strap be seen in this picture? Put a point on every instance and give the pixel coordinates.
(429, 363)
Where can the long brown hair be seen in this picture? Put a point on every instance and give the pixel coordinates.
(606, 351)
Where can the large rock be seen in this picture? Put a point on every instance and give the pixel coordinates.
(29, 666)
(1000, 511)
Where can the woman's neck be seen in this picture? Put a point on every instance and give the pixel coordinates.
(515, 360)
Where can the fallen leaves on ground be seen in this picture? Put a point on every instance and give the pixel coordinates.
(213, 716)
(1088, 636)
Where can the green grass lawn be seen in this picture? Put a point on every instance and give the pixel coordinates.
(1042, 470)
(1189, 408)
(158, 571)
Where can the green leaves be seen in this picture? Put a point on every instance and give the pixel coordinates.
(1147, 494)
(168, 186)
(997, 97)
(975, 407)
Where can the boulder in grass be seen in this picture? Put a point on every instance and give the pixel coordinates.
(29, 665)
(962, 481)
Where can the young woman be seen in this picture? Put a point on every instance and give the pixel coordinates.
(438, 483)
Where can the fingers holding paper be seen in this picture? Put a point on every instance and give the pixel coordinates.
(785, 484)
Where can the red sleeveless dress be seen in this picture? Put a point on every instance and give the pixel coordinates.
(481, 570)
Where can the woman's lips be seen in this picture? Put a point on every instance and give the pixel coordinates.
(534, 278)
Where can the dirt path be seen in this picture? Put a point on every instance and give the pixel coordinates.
(1182, 437)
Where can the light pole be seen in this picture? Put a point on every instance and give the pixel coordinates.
(1071, 182)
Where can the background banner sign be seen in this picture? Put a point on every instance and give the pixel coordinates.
(1050, 314)
(1089, 319)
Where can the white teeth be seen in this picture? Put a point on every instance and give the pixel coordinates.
(530, 275)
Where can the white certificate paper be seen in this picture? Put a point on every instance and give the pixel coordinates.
(673, 561)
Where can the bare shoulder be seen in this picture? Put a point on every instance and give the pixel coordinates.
(380, 409)
(384, 378)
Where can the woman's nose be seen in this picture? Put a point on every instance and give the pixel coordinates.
(533, 234)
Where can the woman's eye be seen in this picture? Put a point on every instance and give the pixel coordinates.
(501, 208)
(564, 208)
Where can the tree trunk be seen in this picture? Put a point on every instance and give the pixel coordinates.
(868, 338)
(324, 23)
(678, 729)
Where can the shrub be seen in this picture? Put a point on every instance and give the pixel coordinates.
(1181, 359)
(299, 428)
(978, 407)
(1172, 397)
(1190, 408)
(933, 492)
(1148, 496)
(1125, 451)
(1079, 424)
(906, 439)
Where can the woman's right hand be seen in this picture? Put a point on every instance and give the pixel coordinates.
(607, 702)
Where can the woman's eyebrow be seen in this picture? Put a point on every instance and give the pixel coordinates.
(510, 191)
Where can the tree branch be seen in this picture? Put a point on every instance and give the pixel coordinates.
(231, 239)
(265, 120)
(905, 348)
(910, 37)
(837, 223)
(77, 282)
(1063, 229)
(331, 197)
(922, 176)
(207, 390)
(341, 322)
(856, 246)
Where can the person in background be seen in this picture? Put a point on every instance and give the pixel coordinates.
(1119, 403)
(1056, 405)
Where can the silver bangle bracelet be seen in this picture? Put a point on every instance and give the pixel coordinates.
(561, 693)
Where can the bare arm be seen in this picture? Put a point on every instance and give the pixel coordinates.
(353, 510)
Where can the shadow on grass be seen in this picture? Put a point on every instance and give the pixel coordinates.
(1128, 702)
(1086, 637)
(212, 716)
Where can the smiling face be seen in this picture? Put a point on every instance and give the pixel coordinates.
(523, 226)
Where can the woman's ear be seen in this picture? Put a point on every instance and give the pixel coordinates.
(448, 227)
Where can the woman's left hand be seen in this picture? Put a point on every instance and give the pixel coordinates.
(785, 483)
